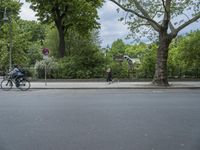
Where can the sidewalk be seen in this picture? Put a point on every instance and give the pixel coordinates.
(115, 85)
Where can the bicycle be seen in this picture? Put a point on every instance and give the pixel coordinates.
(115, 80)
(8, 82)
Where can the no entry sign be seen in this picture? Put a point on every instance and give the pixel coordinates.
(45, 51)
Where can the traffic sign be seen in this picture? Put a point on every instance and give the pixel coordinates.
(45, 51)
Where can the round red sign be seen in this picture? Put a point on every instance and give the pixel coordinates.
(45, 51)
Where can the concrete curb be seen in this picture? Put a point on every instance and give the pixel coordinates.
(90, 85)
(106, 88)
(115, 85)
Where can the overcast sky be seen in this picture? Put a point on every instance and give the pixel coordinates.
(111, 28)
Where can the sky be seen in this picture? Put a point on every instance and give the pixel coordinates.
(111, 28)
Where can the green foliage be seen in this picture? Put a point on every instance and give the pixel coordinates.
(184, 55)
(4, 56)
(84, 58)
(74, 12)
(33, 53)
(118, 48)
(52, 42)
(161, 20)
(12, 8)
(183, 59)
(119, 70)
(89, 64)
(51, 68)
(136, 50)
(33, 30)
(141, 12)
(145, 53)
(189, 49)
(73, 67)
(26, 46)
(148, 59)
(77, 44)
(78, 15)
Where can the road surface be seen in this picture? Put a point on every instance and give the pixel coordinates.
(100, 120)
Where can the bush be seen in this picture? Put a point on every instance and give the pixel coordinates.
(51, 68)
(76, 68)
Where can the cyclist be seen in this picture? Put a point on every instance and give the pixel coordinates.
(16, 74)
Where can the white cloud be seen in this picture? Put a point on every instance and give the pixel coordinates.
(27, 13)
(111, 28)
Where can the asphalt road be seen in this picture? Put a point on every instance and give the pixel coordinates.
(100, 120)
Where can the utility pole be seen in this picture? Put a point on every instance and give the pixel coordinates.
(6, 19)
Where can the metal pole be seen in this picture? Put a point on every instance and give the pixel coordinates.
(10, 49)
(45, 73)
(5, 18)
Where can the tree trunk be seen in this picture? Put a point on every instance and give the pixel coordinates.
(61, 33)
(161, 75)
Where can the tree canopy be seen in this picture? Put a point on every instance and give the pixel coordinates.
(146, 16)
(80, 15)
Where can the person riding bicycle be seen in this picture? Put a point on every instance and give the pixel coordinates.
(16, 74)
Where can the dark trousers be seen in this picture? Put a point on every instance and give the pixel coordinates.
(109, 77)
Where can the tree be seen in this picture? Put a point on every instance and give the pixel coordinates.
(52, 41)
(10, 8)
(84, 59)
(184, 55)
(161, 16)
(136, 50)
(78, 14)
(31, 34)
(189, 49)
(118, 48)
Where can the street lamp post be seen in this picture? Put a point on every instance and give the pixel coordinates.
(6, 19)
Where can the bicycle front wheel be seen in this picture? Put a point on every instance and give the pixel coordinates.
(24, 85)
(6, 84)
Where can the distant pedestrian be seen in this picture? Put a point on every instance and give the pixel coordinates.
(109, 75)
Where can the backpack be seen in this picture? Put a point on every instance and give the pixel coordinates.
(22, 71)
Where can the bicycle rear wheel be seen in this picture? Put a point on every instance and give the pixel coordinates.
(24, 85)
(6, 85)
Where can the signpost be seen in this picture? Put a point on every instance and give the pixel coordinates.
(45, 52)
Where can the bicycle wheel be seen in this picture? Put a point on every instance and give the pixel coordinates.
(6, 84)
(115, 80)
(24, 85)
